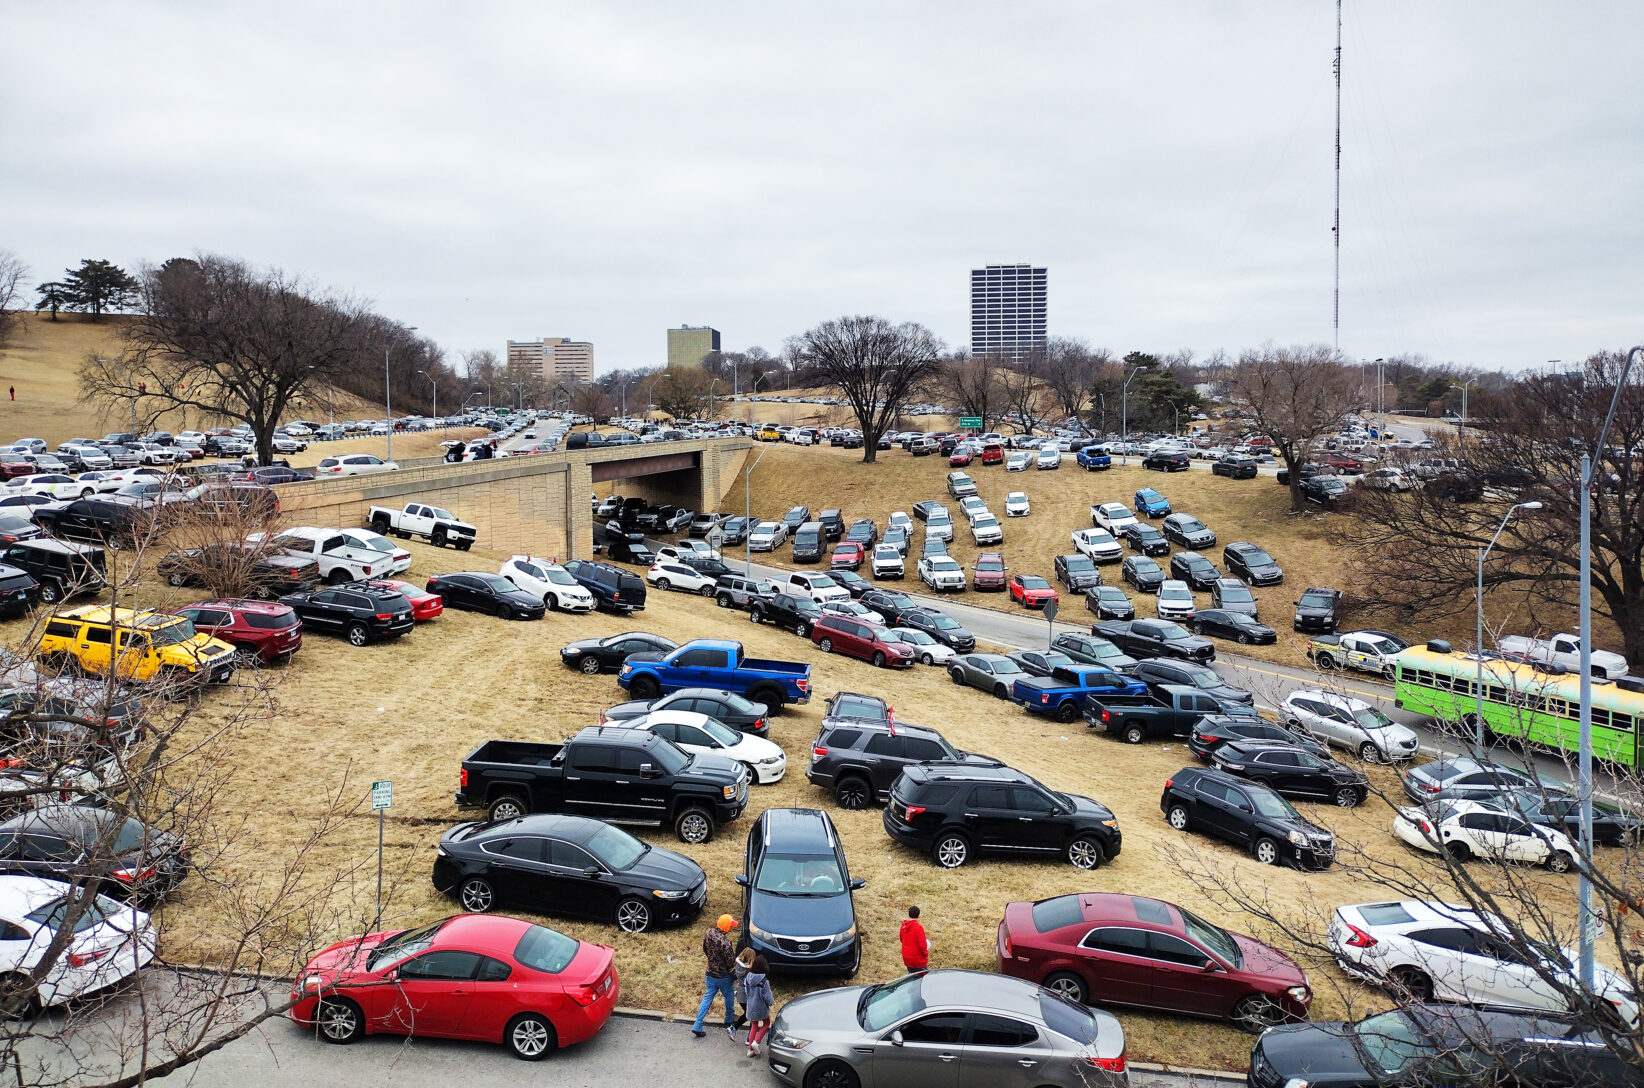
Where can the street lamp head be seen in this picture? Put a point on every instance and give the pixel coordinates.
(1534, 504)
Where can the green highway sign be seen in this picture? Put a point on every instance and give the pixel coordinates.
(970, 423)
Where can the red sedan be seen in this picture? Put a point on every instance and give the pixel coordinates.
(267, 630)
(960, 458)
(424, 605)
(1032, 590)
(475, 976)
(1129, 950)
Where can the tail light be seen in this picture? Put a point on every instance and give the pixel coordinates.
(818, 751)
(1360, 939)
(80, 959)
(1169, 782)
(1431, 787)
(761, 725)
(132, 875)
(1004, 937)
(385, 615)
(805, 685)
(1105, 716)
(914, 810)
(1112, 1065)
(583, 995)
(462, 778)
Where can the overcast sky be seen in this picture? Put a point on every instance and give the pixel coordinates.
(488, 171)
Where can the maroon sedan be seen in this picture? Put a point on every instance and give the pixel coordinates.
(1129, 950)
(266, 630)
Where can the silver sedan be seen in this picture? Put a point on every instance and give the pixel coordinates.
(989, 672)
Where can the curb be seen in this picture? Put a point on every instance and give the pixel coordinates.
(645, 1014)
(1223, 1075)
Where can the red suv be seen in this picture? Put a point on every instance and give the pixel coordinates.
(859, 638)
(1130, 950)
(267, 630)
(847, 556)
(989, 571)
(13, 465)
(1032, 590)
(993, 454)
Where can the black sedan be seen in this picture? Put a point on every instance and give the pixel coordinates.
(854, 583)
(569, 865)
(1167, 462)
(1041, 662)
(607, 654)
(1214, 730)
(123, 857)
(476, 591)
(1291, 772)
(1109, 603)
(726, 706)
(1221, 623)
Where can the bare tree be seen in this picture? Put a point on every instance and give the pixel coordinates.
(12, 273)
(972, 385)
(1297, 396)
(874, 364)
(592, 401)
(683, 392)
(220, 337)
(1024, 395)
(1071, 369)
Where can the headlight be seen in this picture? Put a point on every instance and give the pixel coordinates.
(626, 669)
(844, 935)
(762, 933)
(313, 982)
(669, 895)
(729, 791)
(1298, 617)
(1298, 838)
(789, 1042)
(771, 759)
(1110, 823)
(1300, 993)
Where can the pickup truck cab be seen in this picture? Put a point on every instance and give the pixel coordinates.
(338, 561)
(818, 587)
(622, 775)
(1112, 516)
(1155, 638)
(1093, 458)
(1062, 694)
(1171, 710)
(1367, 651)
(1565, 652)
(719, 664)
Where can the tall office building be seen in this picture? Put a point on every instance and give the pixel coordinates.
(553, 358)
(1007, 309)
(689, 343)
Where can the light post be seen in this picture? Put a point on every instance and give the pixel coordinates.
(1584, 771)
(1177, 413)
(711, 385)
(1381, 411)
(646, 408)
(1463, 387)
(747, 513)
(1478, 637)
(1124, 417)
(436, 386)
(388, 394)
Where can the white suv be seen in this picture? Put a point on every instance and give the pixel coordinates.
(675, 574)
(941, 572)
(550, 581)
(1175, 601)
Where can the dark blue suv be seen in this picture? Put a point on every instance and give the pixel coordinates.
(797, 907)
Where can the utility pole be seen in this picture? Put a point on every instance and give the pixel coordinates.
(388, 394)
(436, 386)
(1335, 230)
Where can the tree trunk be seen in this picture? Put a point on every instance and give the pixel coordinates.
(1625, 604)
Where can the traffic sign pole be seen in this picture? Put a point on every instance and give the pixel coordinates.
(1051, 609)
(382, 799)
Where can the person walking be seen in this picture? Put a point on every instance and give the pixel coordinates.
(915, 945)
(721, 957)
(13, 391)
(744, 963)
(761, 1000)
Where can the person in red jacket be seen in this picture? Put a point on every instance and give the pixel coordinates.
(915, 945)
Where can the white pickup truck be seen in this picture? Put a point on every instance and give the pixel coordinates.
(1366, 651)
(338, 561)
(1564, 651)
(440, 527)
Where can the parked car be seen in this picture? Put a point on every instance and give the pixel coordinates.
(62, 569)
(1463, 830)
(940, 626)
(1031, 590)
(1166, 670)
(1114, 948)
(1248, 815)
(699, 733)
(1041, 662)
(597, 655)
(890, 604)
(549, 582)
(1350, 723)
(856, 638)
(1292, 772)
(1093, 650)
(109, 943)
(1109, 603)
(1098, 544)
(1232, 595)
(1235, 466)
(1111, 516)
(154, 647)
(1238, 626)
(788, 611)
(352, 464)
(1194, 569)
(399, 559)
(1149, 503)
(1077, 572)
(97, 848)
(1365, 651)
(358, 611)
(718, 663)
(1067, 689)
(797, 895)
(1188, 531)
(1017, 505)
(941, 573)
(1214, 730)
(859, 760)
(491, 594)
(611, 587)
(666, 575)
(767, 536)
(887, 562)
(728, 707)
(847, 556)
(266, 630)
(993, 673)
(1255, 566)
(559, 991)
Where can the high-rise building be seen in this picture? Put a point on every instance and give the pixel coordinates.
(1007, 309)
(553, 358)
(689, 343)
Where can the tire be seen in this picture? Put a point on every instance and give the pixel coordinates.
(530, 1037)
(826, 645)
(379, 524)
(1369, 753)
(706, 591)
(1348, 797)
(465, 545)
(1409, 983)
(507, 807)
(633, 915)
(1256, 1012)
(724, 600)
(358, 634)
(926, 659)
(852, 792)
(1085, 853)
(1244, 640)
(339, 1021)
(1178, 818)
(951, 850)
(176, 579)
(437, 537)
(1559, 862)
(337, 577)
(1266, 851)
(803, 630)
(957, 677)
(49, 593)
(878, 659)
(476, 895)
(589, 665)
(1068, 985)
(1067, 713)
(694, 825)
(753, 615)
(644, 687)
(1134, 734)
(662, 584)
(1459, 852)
(1325, 662)
(831, 1073)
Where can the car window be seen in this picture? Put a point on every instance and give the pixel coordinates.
(1024, 799)
(987, 1029)
(520, 849)
(1170, 949)
(881, 744)
(1118, 939)
(569, 855)
(444, 965)
(593, 757)
(994, 797)
(947, 1027)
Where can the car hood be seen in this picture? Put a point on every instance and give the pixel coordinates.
(345, 958)
(645, 657)
(801, 916)
(1227, 694)
(1263, 570)
(1314, 610)
(1393, 734)
(831, 1011)
(1321, 1052)
(1268, 961)
(1200, 536)
(665, 868)
(717, 768)
(1084, 806)
(631, 709)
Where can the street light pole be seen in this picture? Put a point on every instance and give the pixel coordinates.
(1124, 417)
(1584, 773)
(388, 394)
(436, 386)
(1478, 638)
(747, 513)
(1463, 387)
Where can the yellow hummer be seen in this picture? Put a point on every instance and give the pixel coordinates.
(769, 433)
(139, 644)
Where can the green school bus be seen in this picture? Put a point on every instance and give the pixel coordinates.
(1520, 703)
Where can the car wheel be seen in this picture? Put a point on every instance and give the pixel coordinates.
(957, 677)
(924, 659)
(1369, 752)
(1177, 817)
(1000, 691)
(878, 659)
(339, 1020)
(49, 593)
(176, 579)
(803, 630)
(1325, 662)
(831, 1073)
(753, 615)
(694, 825)
(1257, 1012)
(1085, 853)
(1134, 734)
(1066, 713)
(589, 664)
(1408, 982)
(951, 850)
(507, 807)
(530, 1036)
(476, 895)
(724, 600)
(852, 792)
(662, 584)
(1559, 862)
(1068, 985)
(633, 915)
(438, 538)
(1348, 797)
(645, 687)
(358, 634)
(338, 576)
(1244, 640)
(1266, 851)
(826, 645)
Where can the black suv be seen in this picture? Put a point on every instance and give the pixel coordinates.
(957, 812)
(1291, 772)
(359, 610)
(892, 605)
(62, 569)
(833, 523)
(1158, 670)
(796, 517)
(612, 587)
(796, 614)
(1214, 730)
(1077, 572)
(18, 591)
(1316, 611)
(939, 626)
(1252, 564)
(809, 542)
(864, 531)
(797, 907)
(1247, 815)
(1198, 572)
(859, 759)
(1145, 538)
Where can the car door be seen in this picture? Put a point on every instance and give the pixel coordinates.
(1314, 717)
(579, 883)
(1283, 771)
(323, 611)
(695, 740)
(1004, 1052)
(96, 647)
(431, 993)
(1117, 965)
(1040, 824)
(1482, 833)
(515, 870)
(590, 781)
(1520, 840)
(990, 819)
(1181, 981)
(923, 1052)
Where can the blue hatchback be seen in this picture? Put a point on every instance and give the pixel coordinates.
(1151, 504)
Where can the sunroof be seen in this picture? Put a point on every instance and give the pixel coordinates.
(1385, 914)
(1151, 910)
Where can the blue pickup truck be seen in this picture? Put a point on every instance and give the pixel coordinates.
(1061, 695)
(716, 663)
(1094, 457)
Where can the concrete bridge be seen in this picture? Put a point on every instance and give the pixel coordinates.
(536, 504)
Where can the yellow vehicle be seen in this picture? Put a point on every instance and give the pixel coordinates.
(137, 644)
(769, 433)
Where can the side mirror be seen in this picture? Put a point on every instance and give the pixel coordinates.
(647, 769)
(896, 1038)
(858, 883)
(742, 879)
(1211, 967)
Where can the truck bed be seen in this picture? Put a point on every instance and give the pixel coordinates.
(515, 753)
(760, 664)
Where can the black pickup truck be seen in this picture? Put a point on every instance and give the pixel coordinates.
(609, 773)
(1155, 638)
(1168, 710)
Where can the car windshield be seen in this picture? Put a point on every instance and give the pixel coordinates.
(1190, 524)
(1176, 593)
(1145, 566)
(944, 623)
(1081, 562)
(617, 849)
(1005, 666)
(1389, 1040)
(1271, 804)
(1258, 558)
(719, 731)
(884, 1004)
(1110, 593)
(917, 638)
(444, 515)
(944, 564)
(1371, 718)
(1213, 937)
(172, 633)
(1173, 631)
(1236, 594)
(803, 876)
(407, 942)
(375, 542)
(559, 577)
(766, 527)
(807, 606)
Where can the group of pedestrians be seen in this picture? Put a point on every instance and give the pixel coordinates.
(743, 981)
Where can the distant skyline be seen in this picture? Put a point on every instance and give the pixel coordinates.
(510, 170)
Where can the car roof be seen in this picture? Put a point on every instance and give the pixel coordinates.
(493, 933)
(243, 604)
(944, 772)
(804, 828)
(1342, 702)
(21, 895)
(1424, 912)
(981, 991)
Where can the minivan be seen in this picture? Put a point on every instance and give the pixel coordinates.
(808, 543)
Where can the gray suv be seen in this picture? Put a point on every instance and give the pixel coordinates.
(859, 759)
(738, 590)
